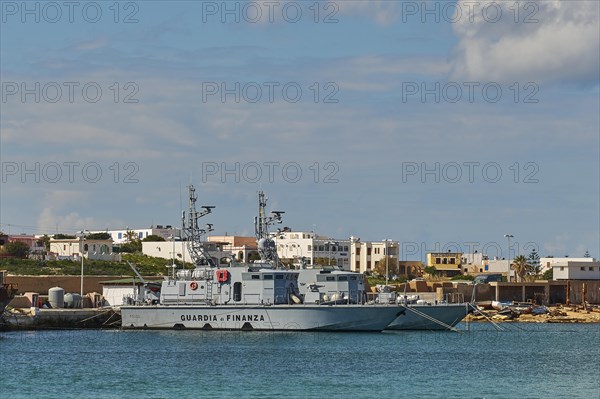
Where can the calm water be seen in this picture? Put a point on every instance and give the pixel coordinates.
(528, 361)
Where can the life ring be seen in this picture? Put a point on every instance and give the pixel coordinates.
(194, 285)
(222, 276)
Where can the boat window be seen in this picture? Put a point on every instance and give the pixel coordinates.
(330, 278)
(267, 277)
(352, 277)
(255, 277)
(279, 276)
(237, 291)
(343, 278)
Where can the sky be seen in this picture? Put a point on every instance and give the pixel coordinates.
(439, 124)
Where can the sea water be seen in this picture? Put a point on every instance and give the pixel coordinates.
(523, 361)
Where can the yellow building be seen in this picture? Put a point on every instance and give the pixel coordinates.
(448, 263)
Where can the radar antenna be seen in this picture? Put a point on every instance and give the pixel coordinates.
(196, 247)
(266, 246)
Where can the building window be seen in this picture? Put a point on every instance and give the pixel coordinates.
(120, 235)
(438, 261)
(357, 265)
(582, 269)
(452, 261)
(368, 265)
(358, 251)
(85, 247)
(562, 269)
(368, 251)
(140, 234)
(591, 269)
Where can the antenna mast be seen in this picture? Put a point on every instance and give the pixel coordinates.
(198, 252)
(266, 246)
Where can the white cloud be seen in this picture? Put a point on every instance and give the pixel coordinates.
(563, 45)
(383, 12)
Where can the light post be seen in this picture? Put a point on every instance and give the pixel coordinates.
(387, 272)
(508, 237)
(329, 244)
(81, 240)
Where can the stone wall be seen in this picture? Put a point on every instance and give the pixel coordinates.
(41, 284)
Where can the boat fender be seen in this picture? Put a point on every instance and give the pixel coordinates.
(194, 286)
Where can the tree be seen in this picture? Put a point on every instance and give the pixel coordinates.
(61, 236)
(45, 241)
(431, 270)
(17, 249)
(153, 238)
(520, 266)
(533, 264)
(548, 274)
(98, 236)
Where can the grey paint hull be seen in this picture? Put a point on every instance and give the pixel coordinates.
(276, 317)
(450, 314)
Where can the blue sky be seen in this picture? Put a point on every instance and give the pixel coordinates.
(387, 111)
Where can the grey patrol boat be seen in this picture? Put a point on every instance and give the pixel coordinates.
(256, 296)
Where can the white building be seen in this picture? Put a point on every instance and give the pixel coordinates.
(73, 248)
(349, 254)
(120, 236)
(309, 245)
(549, 261)
(576, 270)
(123, 291)
(365, 256)
(179, 249)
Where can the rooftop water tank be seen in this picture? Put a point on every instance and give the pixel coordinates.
(56, 297)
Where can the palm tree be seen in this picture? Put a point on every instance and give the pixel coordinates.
(520, 265)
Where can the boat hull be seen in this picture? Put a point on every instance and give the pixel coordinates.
(413, 319)
(270, 318)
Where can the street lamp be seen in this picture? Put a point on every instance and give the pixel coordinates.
(508, 237)
(387, 272)
(329, 244)
(81, 239)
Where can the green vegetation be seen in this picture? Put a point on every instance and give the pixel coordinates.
(548, 274)
(463, 277)
(534, 267)
(16, 248)
(63, 236)
(153, 238)
(131, 247)
(520, 264)
(98, 236)
(146, 265)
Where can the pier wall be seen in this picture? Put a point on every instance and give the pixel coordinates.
(41, 284)
(543, 292)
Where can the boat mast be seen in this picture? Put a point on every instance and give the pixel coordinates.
(197, 249)
(266, 246)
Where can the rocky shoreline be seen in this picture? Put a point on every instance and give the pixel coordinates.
(554, 314)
